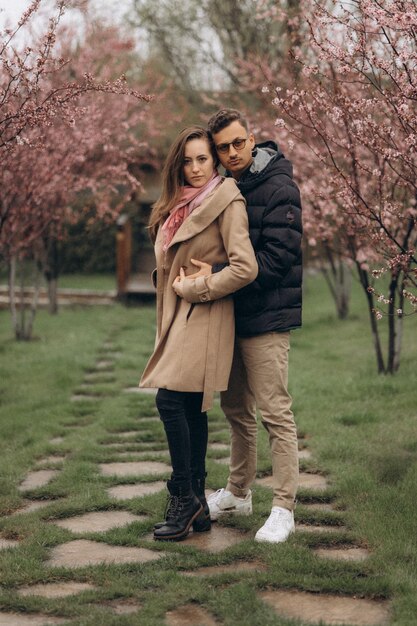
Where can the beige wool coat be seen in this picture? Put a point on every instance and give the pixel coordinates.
(195, 334)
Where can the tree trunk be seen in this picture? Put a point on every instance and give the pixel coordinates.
(49, 260)
(391, 324)
(53, 295)
(399, 325)
(22, 316)
(343, 290)
(396, 324)
(21, 319)
(339, 280)
(34, 304)
(12, 296)
(364, 280)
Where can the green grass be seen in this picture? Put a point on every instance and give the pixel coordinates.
(360, 427)
(100, 282)
(105, 282)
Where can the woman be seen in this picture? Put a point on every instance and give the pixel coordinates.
(198, 215)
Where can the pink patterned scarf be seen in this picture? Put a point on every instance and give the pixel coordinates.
(191, 198)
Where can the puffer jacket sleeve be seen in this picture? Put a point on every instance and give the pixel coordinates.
(280, 238)
(242, 268)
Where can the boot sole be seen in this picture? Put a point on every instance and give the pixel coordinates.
(198, 527)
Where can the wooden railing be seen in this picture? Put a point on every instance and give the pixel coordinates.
(123, 253)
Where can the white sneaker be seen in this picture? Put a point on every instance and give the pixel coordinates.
(223, 502)
(278, 526)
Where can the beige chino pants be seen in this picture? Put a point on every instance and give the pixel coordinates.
(259, 379)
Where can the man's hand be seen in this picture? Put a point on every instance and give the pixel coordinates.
(178, 283)
(205, 269)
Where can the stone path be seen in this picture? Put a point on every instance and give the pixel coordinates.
(233, 568)
(8, 543)
(319, 608)
(36, 479)
(82, 552)
(190, 615)
(127, 492)
(55, 590)
(140, 455)
(17, 619)
(99, 522)
(139, 468)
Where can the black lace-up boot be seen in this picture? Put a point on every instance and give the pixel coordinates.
(202, 523)
(183, 508)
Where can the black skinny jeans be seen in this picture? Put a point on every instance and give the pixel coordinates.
(186, 429)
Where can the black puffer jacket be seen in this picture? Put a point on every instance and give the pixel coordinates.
(273, 301)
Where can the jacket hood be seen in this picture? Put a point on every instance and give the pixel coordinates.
(268, 161)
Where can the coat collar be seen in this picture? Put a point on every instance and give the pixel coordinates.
(207, 212)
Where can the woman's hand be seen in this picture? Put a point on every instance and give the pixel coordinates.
(178, 283)
(205, 269)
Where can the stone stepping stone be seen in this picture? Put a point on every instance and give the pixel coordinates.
(306, 481)
(151, 418)
(127, 492)
(218, 433)
(85, 388)
(305, 453)
(135, 448)
(140, 390)
(318, 608)
(55, 441)
(218, 539)
(98, 521)
(50, 459)
(134, 468)
(343, 554)
(137, 454)
(8, 543)
(80, 553)
(36, 479)
(218, 446)
(126, 434)
(98, 378)
(312, 481)
(32, 619)
(224, 461)
(104, 364)
(189, 615)
(231, 568)
(319, 528)
(124, 607)
(111, 354)
(55, 590)
(79, 397)
(34, 505)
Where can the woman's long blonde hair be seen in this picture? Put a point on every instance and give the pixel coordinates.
(173, 175)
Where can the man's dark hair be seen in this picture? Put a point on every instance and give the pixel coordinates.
(223, 118)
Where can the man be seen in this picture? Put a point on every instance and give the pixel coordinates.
(266, 311)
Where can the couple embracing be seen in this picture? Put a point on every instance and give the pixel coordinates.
(228, 281)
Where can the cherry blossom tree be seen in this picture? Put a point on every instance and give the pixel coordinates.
(62, 129)
(353, 106)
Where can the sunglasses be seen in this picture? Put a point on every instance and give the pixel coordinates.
(238, 144)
